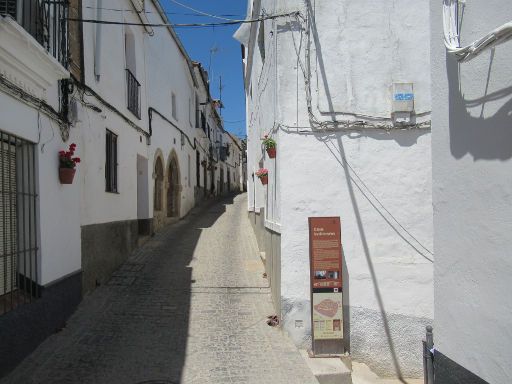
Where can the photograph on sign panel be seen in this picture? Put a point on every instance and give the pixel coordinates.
(320, 274)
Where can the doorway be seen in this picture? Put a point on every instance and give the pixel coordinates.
(173, 191)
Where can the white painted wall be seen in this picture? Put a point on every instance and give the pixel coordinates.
(160, 65)
(358, 51)
(473, 196)
(25, 63)
(99, 206)
(169, 73)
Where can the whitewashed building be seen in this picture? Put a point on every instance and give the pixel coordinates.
(40, 256)
(472, 190)
(144, 97)
(343, 87)
(148, 133)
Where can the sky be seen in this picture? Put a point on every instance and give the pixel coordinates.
(218, 44)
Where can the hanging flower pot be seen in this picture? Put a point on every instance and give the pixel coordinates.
(270, 146)
(262, 174)
(67, 164)
(66, 175)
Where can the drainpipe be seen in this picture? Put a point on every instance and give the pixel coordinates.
(97, 53)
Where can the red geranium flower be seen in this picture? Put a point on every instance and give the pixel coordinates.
(66, 158)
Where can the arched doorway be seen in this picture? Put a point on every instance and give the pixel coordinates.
(173, 192)
(159, 185)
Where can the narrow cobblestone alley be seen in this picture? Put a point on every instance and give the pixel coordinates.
(188, 307)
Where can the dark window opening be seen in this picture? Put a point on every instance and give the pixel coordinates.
(198, 169)
(159, 185)
(111, 162)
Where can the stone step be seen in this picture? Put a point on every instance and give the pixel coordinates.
(328, 370)
(362, 374)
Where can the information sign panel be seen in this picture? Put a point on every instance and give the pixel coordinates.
(326, 284)
(325, 252)
(327, 316)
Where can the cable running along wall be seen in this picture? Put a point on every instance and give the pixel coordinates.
(497, 36)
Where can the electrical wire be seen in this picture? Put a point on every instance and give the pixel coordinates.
(199, 12)
(360, 120)
(42, 106)
(497, 36)
(179, 25)
(149, 12)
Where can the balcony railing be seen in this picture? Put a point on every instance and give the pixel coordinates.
(133, 87)
(45, 20)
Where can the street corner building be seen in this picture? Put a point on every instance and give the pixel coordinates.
(150, 137)
(343, 90)
(471, 157)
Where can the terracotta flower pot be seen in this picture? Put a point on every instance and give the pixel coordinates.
(271, 153)
(264, 179)
(66, 175)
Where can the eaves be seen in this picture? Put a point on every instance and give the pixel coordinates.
(161, 11)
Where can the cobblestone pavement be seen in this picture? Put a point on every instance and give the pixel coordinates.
(188, 307)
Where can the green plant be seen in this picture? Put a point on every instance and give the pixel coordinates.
(268, 142)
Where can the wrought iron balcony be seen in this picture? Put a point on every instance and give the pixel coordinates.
(133, 88)
(45, 20)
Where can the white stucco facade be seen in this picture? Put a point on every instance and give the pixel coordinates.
(472, 199)
(378, 181)
(172, 93)
(37, 73)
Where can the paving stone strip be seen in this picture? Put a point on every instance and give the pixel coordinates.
(187, 307)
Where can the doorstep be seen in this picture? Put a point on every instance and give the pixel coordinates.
(328, 370)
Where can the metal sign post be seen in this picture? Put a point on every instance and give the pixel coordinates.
(326, 285)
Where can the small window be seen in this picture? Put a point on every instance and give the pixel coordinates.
(173, 106)
(189, 172)
(203, 122)
(111, 162)
(197, 112)
(190, 110)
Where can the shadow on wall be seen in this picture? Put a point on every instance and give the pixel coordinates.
(483, 137)
(333, 141)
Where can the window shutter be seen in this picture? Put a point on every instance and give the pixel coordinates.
(9, 7)
(7, 217)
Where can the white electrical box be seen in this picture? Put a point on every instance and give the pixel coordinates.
(403, 97)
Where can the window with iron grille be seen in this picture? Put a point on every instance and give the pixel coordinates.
(111, 162)
(197, 112)
(203, 122)
(45, 20)
(18, 218)
(132, 84)
(198, 169)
